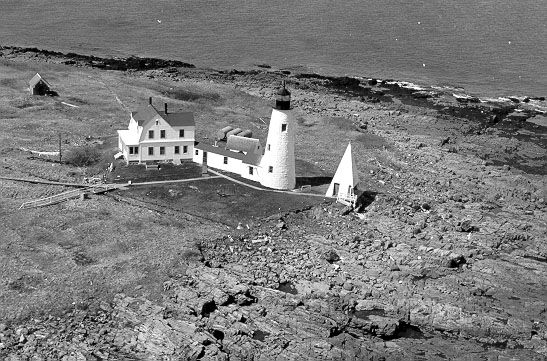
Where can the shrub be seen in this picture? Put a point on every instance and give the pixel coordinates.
(83, 156)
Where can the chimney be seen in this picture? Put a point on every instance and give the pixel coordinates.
(165, 108)
(150, 100)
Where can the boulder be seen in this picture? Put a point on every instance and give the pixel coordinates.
(331, 256)
(444, 141)
(466, 226)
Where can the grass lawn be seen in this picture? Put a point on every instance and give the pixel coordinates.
(221, 200)
(64, 255)
(137, 173)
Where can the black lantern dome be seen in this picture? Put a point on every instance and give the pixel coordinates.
(283, 98)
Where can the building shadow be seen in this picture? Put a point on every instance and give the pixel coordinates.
(365, 199)
(312, 181)
(309, 174)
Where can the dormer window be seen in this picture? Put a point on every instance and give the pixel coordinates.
(162, 134)
(283, 127)
(151, 134)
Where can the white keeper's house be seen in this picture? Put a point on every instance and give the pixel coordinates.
(154, 135)
(241, 155)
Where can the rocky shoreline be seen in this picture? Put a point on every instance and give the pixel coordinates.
(280, 292)
(448, 261)
(486, 110)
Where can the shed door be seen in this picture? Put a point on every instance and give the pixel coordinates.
(335, 189)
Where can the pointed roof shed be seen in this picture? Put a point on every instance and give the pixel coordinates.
(36, 79)
(38, 85)
(346, 178)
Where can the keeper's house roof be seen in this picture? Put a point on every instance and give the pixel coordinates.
(242, 144)
(181, 119)
(249, 158)
(36, 79)
(144, 115)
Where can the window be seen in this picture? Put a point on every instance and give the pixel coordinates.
(157, 122)
(131, 150)
(268, 147)
(185, 149)
(150, 150)
(181, 133)
(162, 150)
(177, 149)
(136, 150)
(283, 127)
(225, 160)
(151, 134)
(162, 134)
(270, 169)
(251, 170)
(197, 152)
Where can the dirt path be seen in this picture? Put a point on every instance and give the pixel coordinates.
(174, 181)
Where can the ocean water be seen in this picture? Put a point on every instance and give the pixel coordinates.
(488, 47)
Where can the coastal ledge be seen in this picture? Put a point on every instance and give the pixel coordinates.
(115, 63)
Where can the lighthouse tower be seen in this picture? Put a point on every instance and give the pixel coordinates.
(278, 165)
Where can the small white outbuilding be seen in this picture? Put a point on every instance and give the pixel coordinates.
(346, 178)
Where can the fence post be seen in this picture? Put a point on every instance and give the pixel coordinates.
(60, 150)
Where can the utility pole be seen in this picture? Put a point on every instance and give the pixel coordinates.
(60, 151)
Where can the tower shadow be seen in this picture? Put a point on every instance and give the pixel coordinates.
(312, 181)
(308, 174)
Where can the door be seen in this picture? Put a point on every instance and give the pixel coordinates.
(204, 157)
(335, 189)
